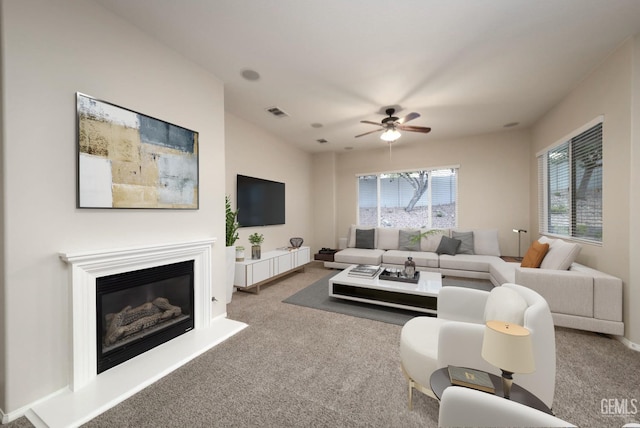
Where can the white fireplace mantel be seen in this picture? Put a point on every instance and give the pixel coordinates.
(90, 394)
(86, 267)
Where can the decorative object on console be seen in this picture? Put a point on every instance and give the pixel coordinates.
(519, 232)
(409, 268)
(239, 253)
(129, 160)
(256, 239)
(296, 242)
(509, 347)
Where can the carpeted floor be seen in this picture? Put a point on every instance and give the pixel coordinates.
(296, 367)
(316, 296)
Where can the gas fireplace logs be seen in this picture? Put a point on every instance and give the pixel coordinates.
(132, 320)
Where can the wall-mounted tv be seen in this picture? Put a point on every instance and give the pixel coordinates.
(259, 202)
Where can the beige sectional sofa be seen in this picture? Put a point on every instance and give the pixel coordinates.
(579, 297)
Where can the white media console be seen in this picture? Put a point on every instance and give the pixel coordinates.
(251, 274)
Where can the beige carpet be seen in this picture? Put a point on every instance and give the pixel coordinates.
(297, 367)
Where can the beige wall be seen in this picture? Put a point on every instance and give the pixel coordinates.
(492, 188)
(256, 153)
(606, 91)
(51, 49)
(324, 200)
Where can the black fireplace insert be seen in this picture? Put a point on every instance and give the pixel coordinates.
(139, 310)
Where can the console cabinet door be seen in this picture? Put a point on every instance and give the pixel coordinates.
(260, 271)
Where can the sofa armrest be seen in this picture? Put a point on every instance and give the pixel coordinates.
(607, 293)
(566, 291)
(462, 304)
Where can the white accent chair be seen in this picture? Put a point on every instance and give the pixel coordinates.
(455, 336)
(480, 409)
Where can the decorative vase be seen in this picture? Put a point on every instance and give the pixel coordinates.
(409, 268)
(239, 254)
(255, 252)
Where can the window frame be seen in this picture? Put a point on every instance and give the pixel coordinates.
(428, 193)
(544, 184)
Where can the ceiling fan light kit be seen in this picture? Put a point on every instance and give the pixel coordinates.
(390, 135)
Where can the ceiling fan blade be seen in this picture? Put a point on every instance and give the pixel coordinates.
(422, 129)
(408, 117)
(370, 132)
(370, 123)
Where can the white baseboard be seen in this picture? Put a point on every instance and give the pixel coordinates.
(629, 344)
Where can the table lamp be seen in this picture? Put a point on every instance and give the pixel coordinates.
(508, 346)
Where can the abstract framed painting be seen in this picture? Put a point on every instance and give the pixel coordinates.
(130, 160)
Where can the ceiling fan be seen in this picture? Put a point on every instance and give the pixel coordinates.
(392, 125)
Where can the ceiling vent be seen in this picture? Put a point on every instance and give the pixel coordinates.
(276, 112)
(322, 141)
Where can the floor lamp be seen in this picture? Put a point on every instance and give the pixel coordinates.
(519, 231)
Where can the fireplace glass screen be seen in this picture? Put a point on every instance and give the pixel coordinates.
(140, 310)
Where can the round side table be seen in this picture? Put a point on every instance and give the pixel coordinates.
(440, 381)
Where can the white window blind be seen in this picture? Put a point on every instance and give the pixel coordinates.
(570, 186)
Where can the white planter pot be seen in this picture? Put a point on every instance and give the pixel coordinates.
(231, 270)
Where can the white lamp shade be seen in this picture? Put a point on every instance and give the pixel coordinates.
(390, 135)
(508, 346)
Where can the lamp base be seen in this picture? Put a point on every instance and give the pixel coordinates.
(507, 381)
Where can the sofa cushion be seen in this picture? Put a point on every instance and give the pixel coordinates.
(431, 239)
(560, 255)
(466, 242)
(421, 258)
(468, 262)
(486, 242)
(502, 272)
(409, 240)
(535, 254)
(357, 256)
(448, 246)
(388, 238)
(365, 238)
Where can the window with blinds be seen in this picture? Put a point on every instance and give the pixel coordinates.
(570, 185)
(411, 199)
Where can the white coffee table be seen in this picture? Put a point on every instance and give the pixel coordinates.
(420, 297)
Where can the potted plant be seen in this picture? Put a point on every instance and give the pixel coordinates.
(231, 220)
(256, 239)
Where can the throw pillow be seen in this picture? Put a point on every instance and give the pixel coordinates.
(486, 242)
(561, 255)
(387, 238)
(365, 238)
(466, 242)
(448, 246)
(409, 240)
(351, 239)
(431, 241)
(535, 254)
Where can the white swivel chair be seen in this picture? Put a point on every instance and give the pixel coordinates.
(464, 407)
(455, 336)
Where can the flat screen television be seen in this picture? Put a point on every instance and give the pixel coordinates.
(259, 202)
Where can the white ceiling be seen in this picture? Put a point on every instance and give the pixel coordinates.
(467, 66)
